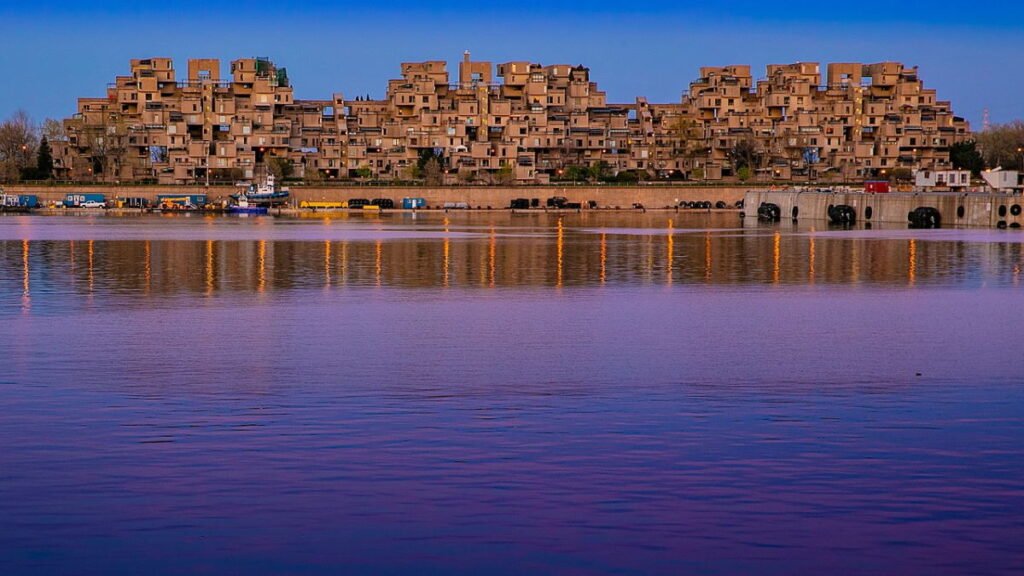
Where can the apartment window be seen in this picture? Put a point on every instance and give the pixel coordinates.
(425, 99)
(149, 97)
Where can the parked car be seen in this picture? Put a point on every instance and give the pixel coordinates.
(93, 204)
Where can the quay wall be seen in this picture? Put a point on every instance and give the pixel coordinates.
(956, 209)
(493, 196)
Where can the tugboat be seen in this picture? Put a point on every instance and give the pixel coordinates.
(243, 206)
(265, 194)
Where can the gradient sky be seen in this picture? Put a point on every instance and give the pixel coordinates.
(54, 52)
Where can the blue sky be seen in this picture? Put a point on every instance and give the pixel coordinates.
(53, 52)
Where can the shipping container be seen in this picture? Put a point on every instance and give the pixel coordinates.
(876, 187)
(75, 199)
(414, 203)
(28, 201)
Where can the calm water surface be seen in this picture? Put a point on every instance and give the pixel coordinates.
(497, 394)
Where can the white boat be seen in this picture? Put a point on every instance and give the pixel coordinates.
(264, 194)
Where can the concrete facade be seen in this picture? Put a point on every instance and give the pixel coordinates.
(518, 122)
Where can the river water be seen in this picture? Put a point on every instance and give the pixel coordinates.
(485, 393)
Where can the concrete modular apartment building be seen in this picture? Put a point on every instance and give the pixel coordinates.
(527, 124)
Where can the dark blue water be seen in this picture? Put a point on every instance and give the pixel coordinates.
(626, 394)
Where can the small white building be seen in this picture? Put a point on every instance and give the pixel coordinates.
(1001, 180)
(944, 179)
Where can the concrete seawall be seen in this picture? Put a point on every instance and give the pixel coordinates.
(975, 210)
(495, 197)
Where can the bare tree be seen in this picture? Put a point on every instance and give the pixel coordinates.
(53, 130)
(109, 150)
(1003, 145)
(432, 172)
(689, 144)
(18, 142)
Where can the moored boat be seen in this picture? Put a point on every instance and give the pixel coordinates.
(243, 206)
(265, 194)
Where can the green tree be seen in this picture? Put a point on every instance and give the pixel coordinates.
(575, 173)
(901, 175)
(629, 176)
(44, 161)
(504, 174)
(426, 155)
(965, 156)
(599, 170)
(744, 173)
(364, 172)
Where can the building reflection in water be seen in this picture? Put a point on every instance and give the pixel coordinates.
(561, 252)
(670, 252)
(327, 263)
(776, 258)
(447, 252)
(498, 256)
(912, 262)
(810, 257)
(492, 256)
(26, 287)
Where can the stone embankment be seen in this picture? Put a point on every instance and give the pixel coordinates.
(475, 196)
(952, 209)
